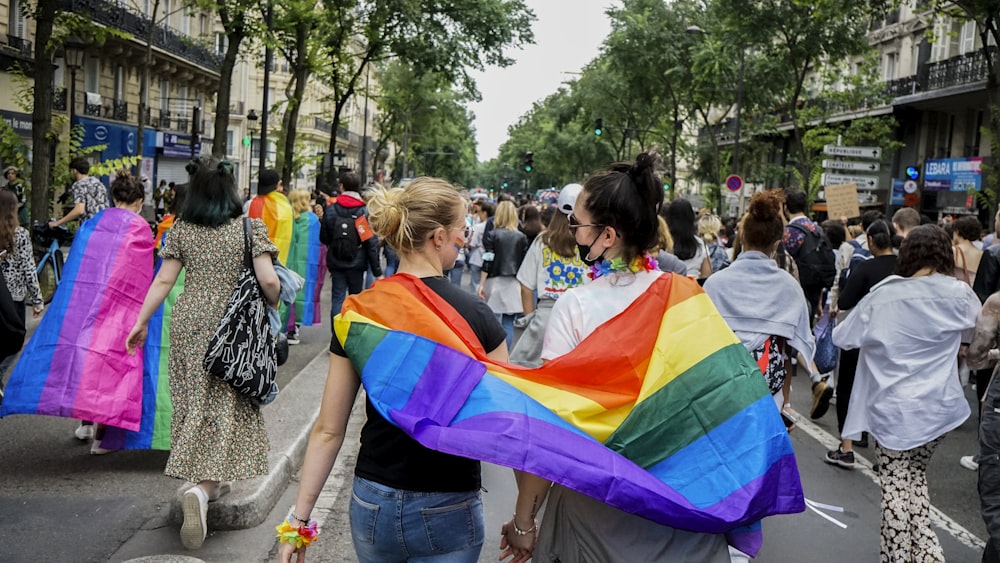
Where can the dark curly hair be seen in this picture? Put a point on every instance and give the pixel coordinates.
(968, 227)
(926, 246)
(127, 188)
(763, 225)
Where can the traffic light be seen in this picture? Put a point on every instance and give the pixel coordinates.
(599, 127)
(913, 173)
(505, 183)
(529, 161)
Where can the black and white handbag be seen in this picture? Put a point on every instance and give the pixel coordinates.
(242, 350)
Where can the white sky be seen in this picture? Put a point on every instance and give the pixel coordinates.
(568, 35)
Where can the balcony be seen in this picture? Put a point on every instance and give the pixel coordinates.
(119, 17)
(92, 108)
(237, 108)
(182, 124)
(118, 110)
(19, 44)
(969, 68)
(164, 121)
(323, 125)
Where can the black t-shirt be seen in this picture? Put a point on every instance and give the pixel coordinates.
(390, 457)
(863, 278)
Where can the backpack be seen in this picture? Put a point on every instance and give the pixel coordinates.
(815, 259)
(345, 241)
(860, 255)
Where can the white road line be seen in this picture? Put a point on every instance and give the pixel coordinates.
(862, 465)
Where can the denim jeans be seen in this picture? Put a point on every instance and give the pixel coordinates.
(455, 275)
(474, 273)
(344, 283)
(507, 320)
(391, 525)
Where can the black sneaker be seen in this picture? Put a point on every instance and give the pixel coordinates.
(293, 338)
(821, 398)
(840, 457)
(863, 442)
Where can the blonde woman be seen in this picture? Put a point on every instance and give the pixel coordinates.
(425, 224)
(663, 251)
(504, 249)
(708, 229)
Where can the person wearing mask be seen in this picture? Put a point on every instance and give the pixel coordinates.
(351, 246)
(503, 251)
(863, 277)
(217, 435)
(90, 197)
(906, 393)
(431, 498)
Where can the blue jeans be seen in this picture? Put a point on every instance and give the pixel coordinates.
(391, 525)
(474, 273)
(507, 320)
(455, 275)
(344, 283)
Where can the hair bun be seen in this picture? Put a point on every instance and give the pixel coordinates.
(644, 161)
(766, 205)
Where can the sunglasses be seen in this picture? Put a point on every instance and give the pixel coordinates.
(575, 223)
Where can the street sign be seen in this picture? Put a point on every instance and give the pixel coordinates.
(857, 152)
(863, 182)
(910, 187)
(734, 183)
(851, 165)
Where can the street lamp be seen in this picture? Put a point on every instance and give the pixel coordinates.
(252, 118)
(695, 30)
(73, 52)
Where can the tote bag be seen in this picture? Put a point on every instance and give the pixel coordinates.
(242, 352)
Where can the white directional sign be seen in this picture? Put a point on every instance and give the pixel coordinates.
(851, 165)
(863, 182)
(856, 152)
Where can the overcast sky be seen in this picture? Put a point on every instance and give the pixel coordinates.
(568, 34)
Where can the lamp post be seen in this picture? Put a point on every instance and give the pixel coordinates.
(364, 132)
(695, 30)
(73, 48)
(251, 129)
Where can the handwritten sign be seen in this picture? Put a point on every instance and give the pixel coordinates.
(842, 201)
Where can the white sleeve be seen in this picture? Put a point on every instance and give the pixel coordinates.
(850, 333)
(560, 335)
(527, 274)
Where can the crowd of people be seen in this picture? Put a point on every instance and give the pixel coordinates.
(911, 304)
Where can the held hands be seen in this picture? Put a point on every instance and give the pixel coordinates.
(520, 547)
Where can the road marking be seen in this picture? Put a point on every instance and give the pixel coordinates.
(938, 518)
(815, 506)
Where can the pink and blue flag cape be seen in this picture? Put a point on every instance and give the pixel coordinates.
(75, 364)
(661, 412)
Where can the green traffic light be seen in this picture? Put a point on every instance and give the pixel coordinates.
(527, 168)
(598, 132)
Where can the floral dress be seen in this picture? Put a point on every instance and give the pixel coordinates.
(215, 433)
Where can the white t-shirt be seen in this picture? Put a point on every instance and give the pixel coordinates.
(476, 244)
(582, 309)
(549, 273)
(694, 264)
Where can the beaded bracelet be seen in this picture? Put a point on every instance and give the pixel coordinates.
(519, 531)
(300, 536)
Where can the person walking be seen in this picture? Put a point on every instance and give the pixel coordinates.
(688, 246)
(863, 277)
(90, 197)
(409, 502)
(503, 251)
(217, 435)
(906, 392)
(351, 246)
(305, 260)
(272, 207)
(709, 230)
(16, 185)
(18, 266)
(983, 354)
(482, 212)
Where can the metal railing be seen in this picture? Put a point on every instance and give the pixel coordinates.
(119, 110)
(59, 99)
(19, 44)
(323, 125)
(92, 109)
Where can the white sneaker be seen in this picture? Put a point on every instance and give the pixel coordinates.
(84, 432)
(195, 526)
(969, 462)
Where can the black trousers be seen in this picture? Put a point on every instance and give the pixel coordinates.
(845, 381)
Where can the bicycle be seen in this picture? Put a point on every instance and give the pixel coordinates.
(49, 257)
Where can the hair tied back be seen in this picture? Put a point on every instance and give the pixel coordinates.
(225, 167)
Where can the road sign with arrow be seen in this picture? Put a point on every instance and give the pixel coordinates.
(851, 165)
(863, 182)
(856, 152)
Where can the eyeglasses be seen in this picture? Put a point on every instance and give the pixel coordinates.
(575, 223)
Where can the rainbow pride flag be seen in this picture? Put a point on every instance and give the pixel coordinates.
(75, 364)
(273, 208)
(673, 424)
(307, 258)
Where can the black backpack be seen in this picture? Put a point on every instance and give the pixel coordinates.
(815, 259)
(861, 254)
(345, 243)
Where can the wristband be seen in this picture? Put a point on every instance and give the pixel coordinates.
(520, 532)
(300, 536)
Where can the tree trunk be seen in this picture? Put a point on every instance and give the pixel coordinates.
(291, 118)
(234, 36)
(41, 116)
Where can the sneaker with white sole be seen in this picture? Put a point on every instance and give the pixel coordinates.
(840, 457)
(969, 462)
(195, 509)
(84, 432)
(293, 338)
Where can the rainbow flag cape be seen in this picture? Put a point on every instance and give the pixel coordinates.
(273, 208)
(307, 258)
(161, 230)
(75, 364)
(661, 412)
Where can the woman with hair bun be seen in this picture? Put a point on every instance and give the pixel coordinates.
(906, 391)
(752, 294)
(615, 224)
(398, 483)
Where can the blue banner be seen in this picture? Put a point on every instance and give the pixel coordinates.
(954, 174)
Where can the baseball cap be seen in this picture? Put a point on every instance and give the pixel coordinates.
(267, 181)
(567, 198)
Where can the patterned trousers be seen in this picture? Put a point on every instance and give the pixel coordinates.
(907, 536)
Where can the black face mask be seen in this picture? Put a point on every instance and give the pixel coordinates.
(584, 250)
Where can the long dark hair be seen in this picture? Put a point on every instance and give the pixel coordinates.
(680, 220)
(212, 199)
(8, 220)
(626, 198)
(926, 246)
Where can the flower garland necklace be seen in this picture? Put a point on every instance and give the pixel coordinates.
(644, 263)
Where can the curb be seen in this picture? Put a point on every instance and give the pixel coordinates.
(289, 420)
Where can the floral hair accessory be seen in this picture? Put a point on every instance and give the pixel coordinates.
(644, 263)
(300, 537)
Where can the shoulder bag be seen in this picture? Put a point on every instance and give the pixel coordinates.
(242, 350)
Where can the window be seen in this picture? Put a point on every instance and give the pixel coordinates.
(167, 8)
(967, 38)
(120, 83)
(92, 75)
(164, 95)
(945, 40)
(889, 66)
(16, 23)
(61, 78)
(220, 43)
(203, 25)
(185, 22)
(230, 149)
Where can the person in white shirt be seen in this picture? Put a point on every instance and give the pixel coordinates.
(907, 395)
(481, 212)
